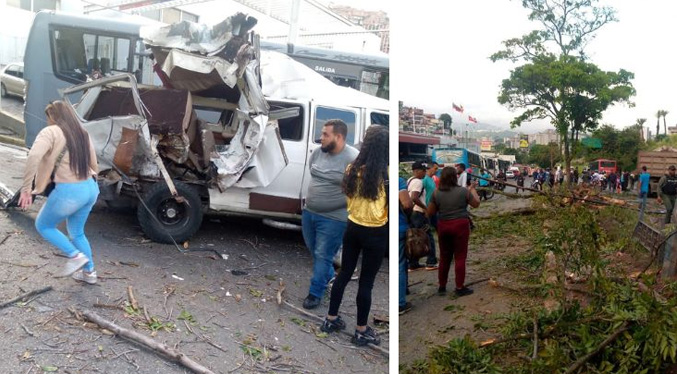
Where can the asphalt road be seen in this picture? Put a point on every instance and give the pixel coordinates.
(217, 304)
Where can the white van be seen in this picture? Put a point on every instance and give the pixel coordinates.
(237, 147)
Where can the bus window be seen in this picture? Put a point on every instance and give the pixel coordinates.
(80, 54)
(369, 82)
(70, 61)
(324, 114)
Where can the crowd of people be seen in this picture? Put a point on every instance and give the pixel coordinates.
(439, 203)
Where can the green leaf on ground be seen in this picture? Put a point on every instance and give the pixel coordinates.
(186, 316)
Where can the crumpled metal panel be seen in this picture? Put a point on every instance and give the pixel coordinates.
(255, 99)
(233, 161)
(187, 71)
(267, 162)
(226, 36)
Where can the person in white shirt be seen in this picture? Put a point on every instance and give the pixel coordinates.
(418, 217)
(462, 175)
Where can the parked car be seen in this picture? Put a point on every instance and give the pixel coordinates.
(12, 80)
(510, 174)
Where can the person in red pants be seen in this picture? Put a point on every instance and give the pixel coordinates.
(451, 202)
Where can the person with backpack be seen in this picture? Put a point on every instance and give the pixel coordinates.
(418, 218)
(667, 192)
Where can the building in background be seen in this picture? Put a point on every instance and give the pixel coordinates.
(544, 138)
(370, 20)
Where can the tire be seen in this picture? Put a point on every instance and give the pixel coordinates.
(490, 193)
(3, 90)
(180, 220)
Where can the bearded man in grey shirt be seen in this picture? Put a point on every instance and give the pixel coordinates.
(325, 215)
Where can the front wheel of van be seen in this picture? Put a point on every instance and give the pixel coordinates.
(164, 218)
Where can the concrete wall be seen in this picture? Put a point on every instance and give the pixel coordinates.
(14, 27)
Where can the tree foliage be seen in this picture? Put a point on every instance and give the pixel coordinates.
(567, 26)
(545, 156)
(620, 145)
(446, 118)
(557, 82)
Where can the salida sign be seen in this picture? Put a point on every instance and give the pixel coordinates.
(325, 69)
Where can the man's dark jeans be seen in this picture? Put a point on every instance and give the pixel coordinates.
(419, 220)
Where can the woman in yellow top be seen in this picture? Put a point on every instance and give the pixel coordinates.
(365, 184)
(64, 148)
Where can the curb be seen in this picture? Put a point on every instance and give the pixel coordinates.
(13, 124)
(12, 140)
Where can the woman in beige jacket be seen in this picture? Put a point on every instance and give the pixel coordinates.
(63, 152)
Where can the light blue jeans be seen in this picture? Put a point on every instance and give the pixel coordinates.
(71, 202)
(323, 237)
(642, 204)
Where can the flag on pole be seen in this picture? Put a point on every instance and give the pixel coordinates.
(472, 119)
(457, 107)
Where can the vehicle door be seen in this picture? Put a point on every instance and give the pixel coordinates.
(320, 114)
(293, 132)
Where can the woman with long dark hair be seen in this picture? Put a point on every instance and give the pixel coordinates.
(365, 185)
(63, 153)
(451, 202)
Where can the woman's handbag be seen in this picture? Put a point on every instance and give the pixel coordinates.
(50, 187)
(417, 244)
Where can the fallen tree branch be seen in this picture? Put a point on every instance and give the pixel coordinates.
(516, 212)
(26, 295)
(108, 306)
(476, 282)
(599, 348)
(320, 319)
(145, 341)
(279, 292)
(132, 299)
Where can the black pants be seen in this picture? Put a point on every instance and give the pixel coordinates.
(373, 243)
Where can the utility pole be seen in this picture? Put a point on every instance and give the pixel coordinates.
(294, 21)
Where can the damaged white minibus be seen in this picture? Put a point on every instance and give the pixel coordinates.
(189, 119)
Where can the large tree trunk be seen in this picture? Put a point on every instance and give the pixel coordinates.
(665, 126)
(658, 125)
(567, 155)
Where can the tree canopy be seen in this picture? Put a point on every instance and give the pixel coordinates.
(446, 118)
(554, 83)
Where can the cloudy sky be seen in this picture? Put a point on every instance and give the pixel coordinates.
(440, 55)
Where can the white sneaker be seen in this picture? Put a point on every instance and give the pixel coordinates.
(73, 264)
(81, 276)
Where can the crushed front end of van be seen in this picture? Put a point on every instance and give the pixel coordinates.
(208, 126)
